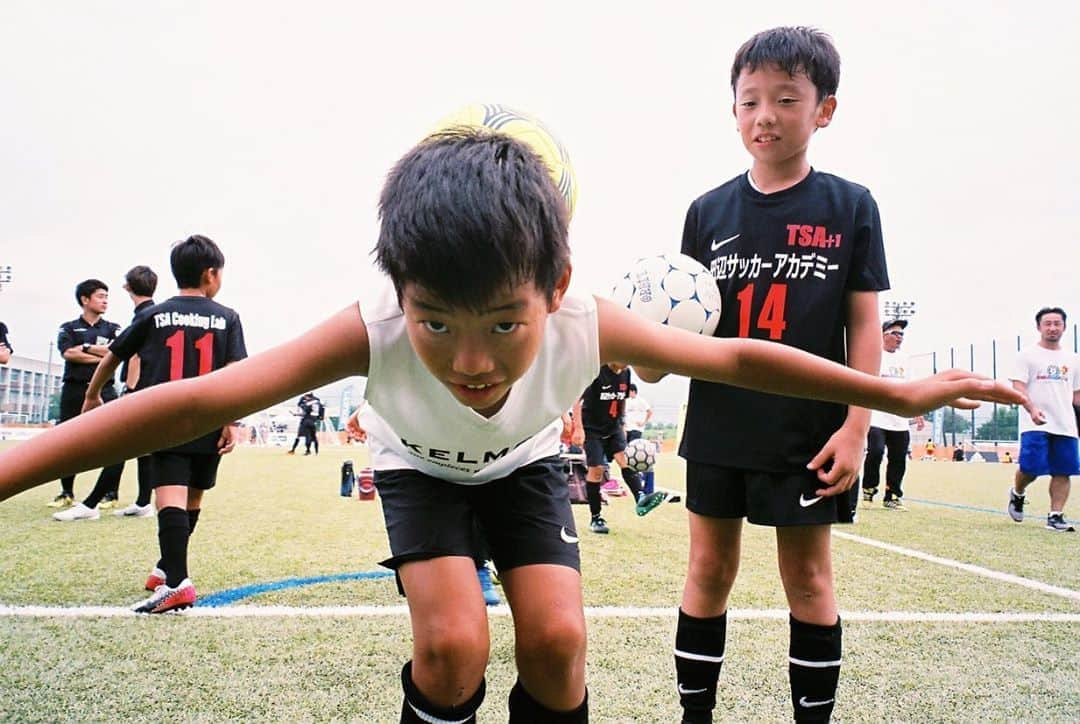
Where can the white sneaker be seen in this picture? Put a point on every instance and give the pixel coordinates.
(136, 511)
(77, 512)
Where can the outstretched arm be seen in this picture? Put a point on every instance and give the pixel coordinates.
(173, 413)
(782, 370)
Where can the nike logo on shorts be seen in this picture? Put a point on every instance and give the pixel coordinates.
(717, 244)
(807, 502)
(806, 703)
(684, 690)
(567, 536)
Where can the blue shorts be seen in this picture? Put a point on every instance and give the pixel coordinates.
(1043, 453)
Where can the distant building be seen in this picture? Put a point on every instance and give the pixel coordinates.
(25, 387)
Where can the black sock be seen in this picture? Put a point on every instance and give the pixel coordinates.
(592, 493)
(193, 518)
(108, 482)
(814, 669)
(633, 481)
(145, 484)
(173, 533)
(526, 710)
(294, 444)
(416, 709)
(67, 486)
(699, 654)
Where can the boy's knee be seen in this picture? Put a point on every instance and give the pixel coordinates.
(451, 649)
(712, 569)
(555, 644)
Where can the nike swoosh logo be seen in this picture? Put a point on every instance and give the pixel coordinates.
(567, 536)
(683, 690)
(804, 702)
(717, 244)
(807, 502)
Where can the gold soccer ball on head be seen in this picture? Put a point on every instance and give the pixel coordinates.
(525, 128)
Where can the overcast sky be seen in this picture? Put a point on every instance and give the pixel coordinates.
(270, 127)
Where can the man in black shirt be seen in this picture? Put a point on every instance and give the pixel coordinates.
(183, 337)
(83, 342)
(312, 411)
(598, 423)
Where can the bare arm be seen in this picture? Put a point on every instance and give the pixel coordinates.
(779, 369)
(103, 373)
(134, 369)
(863, 348)
(172, 413)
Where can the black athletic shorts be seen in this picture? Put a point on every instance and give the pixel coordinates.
(525, 517)
(598, 450)
(195, 470)
(774, 499)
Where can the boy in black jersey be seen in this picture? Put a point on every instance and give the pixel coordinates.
(798, 258)
(83, 342)
(598, 424)
(183, 337)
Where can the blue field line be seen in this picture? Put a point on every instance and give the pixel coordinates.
(974, 508)
(232, 595)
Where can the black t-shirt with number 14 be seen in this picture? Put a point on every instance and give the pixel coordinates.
(183, 337)
(784, 263)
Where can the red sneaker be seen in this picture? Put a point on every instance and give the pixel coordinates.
(166, 599)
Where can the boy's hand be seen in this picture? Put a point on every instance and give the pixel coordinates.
(845, 450)
(1038, 416)
(227, 441)
(91, 402)
(957, 388)
(577, 437)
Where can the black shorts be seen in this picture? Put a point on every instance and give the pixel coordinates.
(195, 470)
(763, 498)
(524, 518)
(73, 394)
(598, 450)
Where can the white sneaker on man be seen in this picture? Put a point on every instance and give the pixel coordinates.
(77, 512)
(136, 511)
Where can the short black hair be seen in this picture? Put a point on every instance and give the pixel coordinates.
(191, 257)
(1050, 310)
(633, 387)
(469, 213)
(141, 280)
(793, 49)
(87, 289)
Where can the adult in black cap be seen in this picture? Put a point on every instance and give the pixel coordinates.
(889, 432)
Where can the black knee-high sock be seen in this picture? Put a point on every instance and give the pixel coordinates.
(416, 709)
(193, 518)
(633, 481)
(592, 492)
(67, 486)
(814, 669)
(145, 483)
(699, 654)
(526, 710)
(173, 533)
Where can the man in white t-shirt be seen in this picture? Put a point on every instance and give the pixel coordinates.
(1050, 377)
(889, 432)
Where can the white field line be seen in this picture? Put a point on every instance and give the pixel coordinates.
(967, 567)
(590, 612)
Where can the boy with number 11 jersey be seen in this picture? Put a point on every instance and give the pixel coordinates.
(186, 336)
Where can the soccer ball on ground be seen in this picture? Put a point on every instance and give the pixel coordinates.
(525, 128)
(671, 289)
(640, 456)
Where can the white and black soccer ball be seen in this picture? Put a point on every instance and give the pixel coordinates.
(640, 455)
(671, 289)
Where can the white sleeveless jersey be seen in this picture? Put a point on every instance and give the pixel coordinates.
(414, 422)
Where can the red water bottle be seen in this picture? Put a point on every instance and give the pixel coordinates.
(365, 484)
